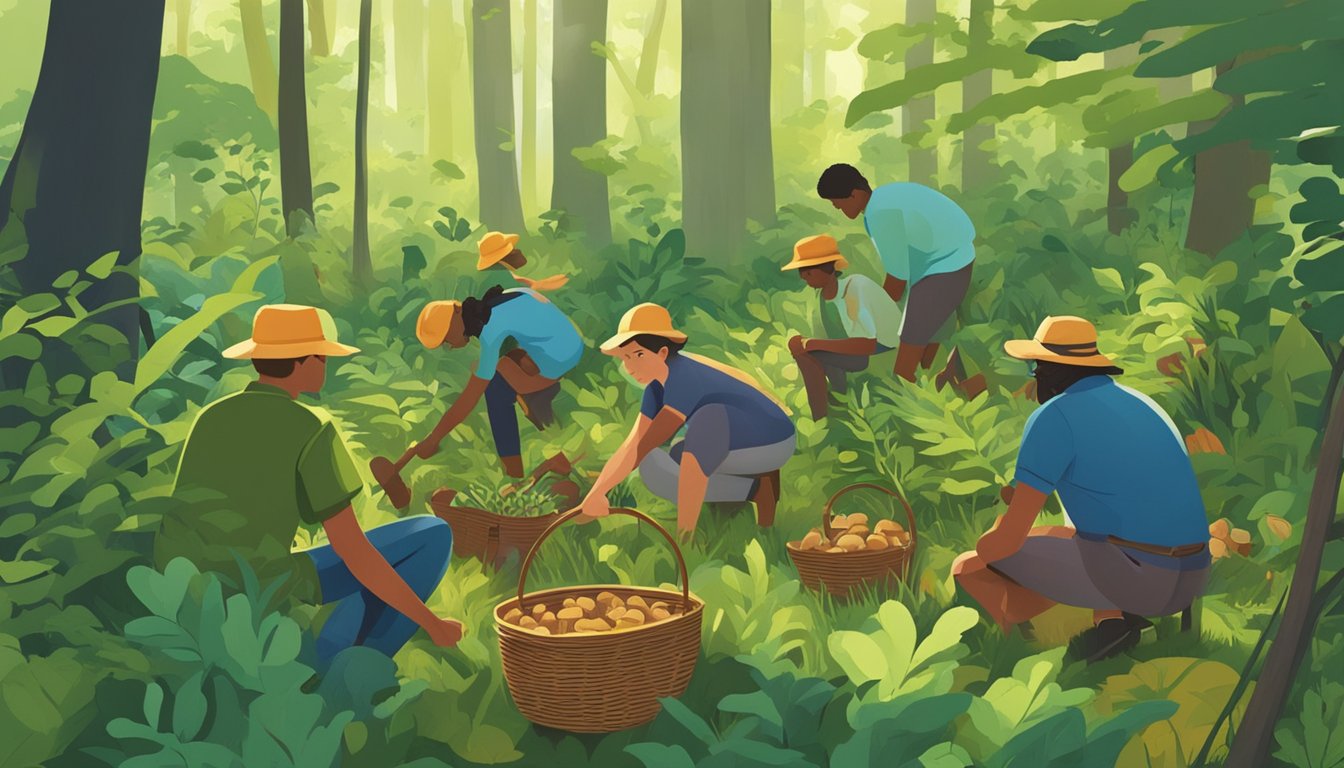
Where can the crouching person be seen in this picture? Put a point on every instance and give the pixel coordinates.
(258, 464)
(737, 437)
(1136, 545)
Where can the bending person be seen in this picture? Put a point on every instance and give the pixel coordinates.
(737, 437)
(497, 249)
(549, 347)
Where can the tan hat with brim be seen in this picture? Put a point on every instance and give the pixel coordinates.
(281, 331)
(647, 318)
(815, 251)
(431, 327)
(494, 247)
(1066, 339)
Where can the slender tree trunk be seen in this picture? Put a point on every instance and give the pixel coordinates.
(760, 151)
(1222, 209)
(259, 61)
(409, 30)
(76, 182)
(977, 163)
(317, 28)
(816, 53)
(648, 57)
(443, 71)
(1118, 159)
(529, 137)
(492, 93)
(330, 8)
(579, 114)
(361, 261)
(387, 31)
(1255, 738)
(296, 176)
(788, 26)
(462, 62)
(183, 12)
(918, 112)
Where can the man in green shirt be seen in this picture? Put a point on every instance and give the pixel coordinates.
(258, 464)
(858, 318)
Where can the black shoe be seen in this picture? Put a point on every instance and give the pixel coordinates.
(1137, 622)
(1109, 638)
(537, 406)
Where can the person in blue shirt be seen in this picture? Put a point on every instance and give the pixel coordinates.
(1137, 540)
(548, 347)
(927, 246)
(737, 437)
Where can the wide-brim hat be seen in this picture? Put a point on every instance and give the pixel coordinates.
(431, 327)
(281, 331)
(494, 247)
(815, 251)
(1066, 339)
(647, 318)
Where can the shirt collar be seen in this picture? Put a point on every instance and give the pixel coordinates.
(266, 389)
(1091, 382)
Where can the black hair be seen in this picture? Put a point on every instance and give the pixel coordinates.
(840, 181)
(278, 367)
(653, 343)
(476, 312)
(827, 267)
(1054, 378)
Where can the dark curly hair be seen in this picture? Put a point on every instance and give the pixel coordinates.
(840, 180)
(476, 312)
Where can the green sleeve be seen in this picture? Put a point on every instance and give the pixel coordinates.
(327, 478)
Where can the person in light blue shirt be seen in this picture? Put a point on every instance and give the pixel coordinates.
(1136, 543)
(927, 246)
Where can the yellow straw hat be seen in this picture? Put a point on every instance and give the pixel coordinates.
(494, 247)
(816, 250)
(282, 331)
(432, 325)
(1066, 339)
(644, 318)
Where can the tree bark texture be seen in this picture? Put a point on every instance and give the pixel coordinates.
(492, 95)
(579, 112)
(296, 176)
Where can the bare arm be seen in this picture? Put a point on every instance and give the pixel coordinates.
(842, 346)
(456, 414)
(646, 435)
(894, 286)
(1010, 530)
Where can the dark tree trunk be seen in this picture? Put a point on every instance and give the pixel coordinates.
(977, 163)
(317, 29)
(648, 57)
(444, 67)
(917, 112)
(296, 176)
(1118, 213)
(579, 113)
(760, 151)
(77, 179)
(492, 93)
(362, 262)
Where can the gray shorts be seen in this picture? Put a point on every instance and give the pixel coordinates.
(931, 306)
(1089, 573)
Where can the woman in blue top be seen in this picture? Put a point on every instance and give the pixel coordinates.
(549, 346)
(737, 437)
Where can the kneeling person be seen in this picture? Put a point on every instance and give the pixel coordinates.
(1138, 545)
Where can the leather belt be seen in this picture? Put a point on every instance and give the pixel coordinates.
(1185, 550)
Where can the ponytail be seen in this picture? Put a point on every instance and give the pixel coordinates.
(476, 312)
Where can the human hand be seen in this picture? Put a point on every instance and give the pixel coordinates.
(429, 446)
(445, 633)
(798, 345)
(595, 506)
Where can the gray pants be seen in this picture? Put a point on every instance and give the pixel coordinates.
(732, 473)
(838, 366)
(931, 306)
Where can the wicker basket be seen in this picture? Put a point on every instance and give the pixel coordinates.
(600, 682)
(840, 572)
(489, 537)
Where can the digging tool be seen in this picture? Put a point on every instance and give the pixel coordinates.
(388, 475)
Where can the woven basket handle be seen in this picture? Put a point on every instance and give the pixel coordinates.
(826, 510)
(573, 513)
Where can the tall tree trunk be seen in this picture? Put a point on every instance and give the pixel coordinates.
(647, 75)
(76, 182)
(816, 53)
(296, 176)
(1222, 209)
(977, 162)
(183, 12)
(917, 112)
(716, 120)
(361, 261)
(443, 70)
(579, 114)
(760, 151)
(529, 137)
(1255, 738)
(259, 61)
(409, 30)
(317, 28)
(1118, 159)
(492, 94)
(386, 30)
(330, 8)
(790, 43)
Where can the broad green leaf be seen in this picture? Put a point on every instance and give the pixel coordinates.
(103, 266)
(1144, 169)
(15, 571)
(1065, 90)
(858, 655)
(1109, 278)
(929, 77)
(16, 524)
(1289, 25)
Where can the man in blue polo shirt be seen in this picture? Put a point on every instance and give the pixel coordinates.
(1137, 544)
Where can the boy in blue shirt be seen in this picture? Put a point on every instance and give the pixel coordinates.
(1137, 543)
(926, 243)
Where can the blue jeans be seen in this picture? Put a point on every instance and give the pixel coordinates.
(500, 402)
(418, 548)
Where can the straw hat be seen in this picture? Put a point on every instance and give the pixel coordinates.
(431, 327)
(282, 331)
(816, 250)
(1066, 339)
(494, 247)
(644, 318)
